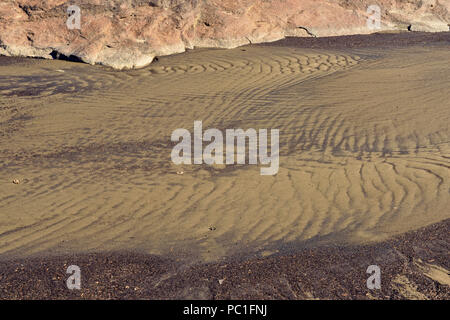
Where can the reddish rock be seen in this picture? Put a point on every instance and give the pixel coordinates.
(130, 33)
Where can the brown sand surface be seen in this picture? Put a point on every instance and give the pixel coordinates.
(364, 145)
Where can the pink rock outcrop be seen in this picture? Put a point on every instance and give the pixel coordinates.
(130, 33)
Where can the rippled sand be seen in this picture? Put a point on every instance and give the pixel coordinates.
(364, 144)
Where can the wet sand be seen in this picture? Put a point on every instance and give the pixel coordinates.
(365, 156)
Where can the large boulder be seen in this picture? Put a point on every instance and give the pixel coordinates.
(130, 33)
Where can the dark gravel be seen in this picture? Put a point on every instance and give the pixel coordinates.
(376, 40)
(327, 273)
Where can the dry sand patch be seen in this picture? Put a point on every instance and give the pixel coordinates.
(364, 143)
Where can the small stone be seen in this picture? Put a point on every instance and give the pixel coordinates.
(180, 172)
(16, 181)
(221, 281)
(212, 228)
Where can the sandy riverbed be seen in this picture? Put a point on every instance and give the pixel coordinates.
(364, 151)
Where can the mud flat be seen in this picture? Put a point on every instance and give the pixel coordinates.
(364, 153)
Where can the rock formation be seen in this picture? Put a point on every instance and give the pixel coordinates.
(130, 33)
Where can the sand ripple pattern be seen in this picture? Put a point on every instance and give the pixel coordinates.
(364, 143)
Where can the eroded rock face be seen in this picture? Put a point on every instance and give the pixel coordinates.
(130, 33)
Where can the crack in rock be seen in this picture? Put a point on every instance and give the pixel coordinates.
(307, 31)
